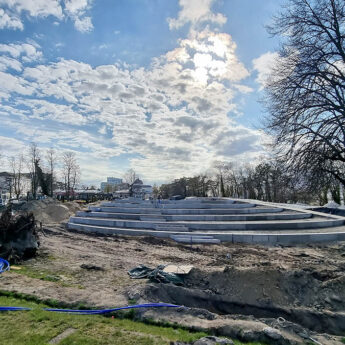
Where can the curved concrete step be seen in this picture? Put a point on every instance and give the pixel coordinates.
(126, 204)
(200, 200)
(181, 211)
(193, 205)
(195, 239)
(278, 237)
(111, 209)
(255, 225)
(205, 217)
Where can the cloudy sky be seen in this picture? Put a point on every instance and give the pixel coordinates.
(165, 87)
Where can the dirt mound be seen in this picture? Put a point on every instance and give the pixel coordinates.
(50, 211)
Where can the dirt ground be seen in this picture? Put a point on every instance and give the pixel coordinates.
(304, 285)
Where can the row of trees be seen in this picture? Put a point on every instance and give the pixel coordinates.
(43, 168)
(268, 181)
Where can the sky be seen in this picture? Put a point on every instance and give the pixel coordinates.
(165, 87)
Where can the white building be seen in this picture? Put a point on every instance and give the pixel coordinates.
(111, 184)
(7, 188)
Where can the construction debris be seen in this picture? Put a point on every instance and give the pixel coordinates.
(157, 275)
(18, 235)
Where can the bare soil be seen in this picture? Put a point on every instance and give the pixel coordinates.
(305, 284)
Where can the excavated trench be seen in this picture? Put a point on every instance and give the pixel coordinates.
(312, 299)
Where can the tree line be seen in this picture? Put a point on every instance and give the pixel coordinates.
(271, 180)
(46, 170)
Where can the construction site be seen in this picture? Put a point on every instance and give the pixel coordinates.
(241, 271)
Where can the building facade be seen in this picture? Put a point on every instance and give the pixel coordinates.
(111, 184)
(8, 189)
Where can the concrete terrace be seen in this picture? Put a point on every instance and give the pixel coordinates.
(211, 220)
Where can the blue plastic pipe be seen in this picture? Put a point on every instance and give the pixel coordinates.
(96, 311)
(13, 308)
(4, 265)
(106, 311)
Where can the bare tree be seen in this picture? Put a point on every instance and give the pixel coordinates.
(33, 160)
(70, 172)
(130, 176)
(16, 165)
(51, 159)
(305, 95)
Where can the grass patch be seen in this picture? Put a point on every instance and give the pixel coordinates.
(52, 303)
(38, 327)
(61, 278)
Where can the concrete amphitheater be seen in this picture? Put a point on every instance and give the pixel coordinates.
(211, 221)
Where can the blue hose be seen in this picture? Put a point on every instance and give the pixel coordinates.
(4, 265)
(106, 311)
(96, 311)
(13, 308)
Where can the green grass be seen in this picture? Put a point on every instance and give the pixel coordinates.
(38, 327)
(61, 279)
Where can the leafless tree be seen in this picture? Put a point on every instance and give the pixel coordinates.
(51, 160)
(33, 160)
(70, 172)
(16, 165)
(130, 176)
(305, 95)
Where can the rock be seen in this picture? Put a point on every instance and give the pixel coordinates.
(91, 267)
(248, 335)
(134, 293)
(272, 333)
(205, 314)
(211, 340)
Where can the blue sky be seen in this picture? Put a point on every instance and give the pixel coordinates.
(166, 87)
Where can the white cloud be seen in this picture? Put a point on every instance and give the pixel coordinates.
(44, 110)
(8, 21)
(10, 147)
(7, 62)
(35, 8)
(14, 10)
(75, 7)
(171, 118)
(263, 65)
(27, 52)
(196, 12)
(83, 24)
(76, 10)
(13, 84)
